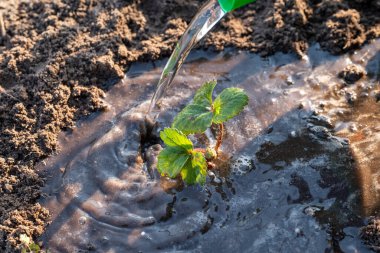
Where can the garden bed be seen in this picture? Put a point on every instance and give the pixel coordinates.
(59, 59)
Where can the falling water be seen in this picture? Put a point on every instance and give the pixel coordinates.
(208, 16)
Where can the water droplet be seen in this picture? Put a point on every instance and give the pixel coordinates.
(104, 240)
(217, 180)
(289, 81)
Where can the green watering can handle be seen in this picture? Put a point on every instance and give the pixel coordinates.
(230, 5)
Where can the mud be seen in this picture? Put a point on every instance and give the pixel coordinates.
(301, 176)
(58, 57)
(352, 73)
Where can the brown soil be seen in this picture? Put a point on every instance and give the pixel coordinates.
(58, 57)
(371, 234)
(352, 73)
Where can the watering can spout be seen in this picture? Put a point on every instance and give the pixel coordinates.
(230, 5)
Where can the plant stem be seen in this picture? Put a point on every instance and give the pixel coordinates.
(220, 138)
(202, 150)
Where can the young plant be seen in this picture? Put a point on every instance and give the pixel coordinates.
(180, 157)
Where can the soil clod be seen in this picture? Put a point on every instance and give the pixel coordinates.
(371, 234)
(352, 73)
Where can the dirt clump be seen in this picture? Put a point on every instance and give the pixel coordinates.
(267, 27)
(371, 234)
(352, 73)
(343, 31)
(59, 57)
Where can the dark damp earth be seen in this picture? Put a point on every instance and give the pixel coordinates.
(299, 170)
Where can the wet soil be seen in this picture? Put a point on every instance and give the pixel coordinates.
(57, 58)
(300, 172)
(352, 73)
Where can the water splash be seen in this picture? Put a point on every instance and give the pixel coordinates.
(208, 16)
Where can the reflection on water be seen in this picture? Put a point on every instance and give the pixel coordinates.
(302, 171)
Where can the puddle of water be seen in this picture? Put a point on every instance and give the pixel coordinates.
(293, 183)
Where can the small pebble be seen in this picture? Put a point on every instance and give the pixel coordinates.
(367, 132)
(351, 97)
(364, 95)
(8, 188)
(210, 173)
(289, 81)
(377, 97)
(82, 220)
(104, 239)
(217, 180)
(353, 128)
(340, 112)
(311, 210)
(352, 73)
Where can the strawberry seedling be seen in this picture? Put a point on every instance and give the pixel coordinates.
(180, 157)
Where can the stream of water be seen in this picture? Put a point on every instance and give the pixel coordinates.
(300, 172)
(206, 18)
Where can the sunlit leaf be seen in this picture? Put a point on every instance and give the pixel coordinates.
(174, 138)
(187, 173)
(199, 164)
(34, 248)
(171, 161)
(195, 170)
(204, 94)
(197, 117)
(228, 104)
(193, 119)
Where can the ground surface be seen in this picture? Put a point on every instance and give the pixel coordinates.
(58, 57)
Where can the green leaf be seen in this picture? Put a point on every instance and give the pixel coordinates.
(197, 117)
(34, 248)
(187, 173)
(174, 138)
(195, 170)
(228, 104)
(171, 161)
(199, 163)
(193, 119)
(204, 94)
(202, 112)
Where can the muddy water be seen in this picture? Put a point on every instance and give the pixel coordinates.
(301, 174)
